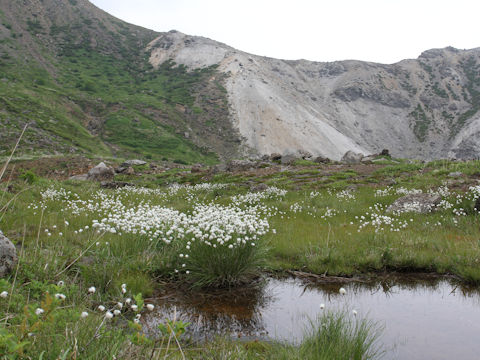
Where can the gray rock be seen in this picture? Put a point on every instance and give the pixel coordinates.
(240, 165)
(101, 172)
(351, 157)
(455, 174)
(114, 184)
(419, 203)
(219, 168)
(275, 157)
(133, 162)
(81, 177)
(322, 160)
(8, 255)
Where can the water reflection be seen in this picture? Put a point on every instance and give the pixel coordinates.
(424, 318)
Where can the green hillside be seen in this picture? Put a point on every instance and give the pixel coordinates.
(82, 81)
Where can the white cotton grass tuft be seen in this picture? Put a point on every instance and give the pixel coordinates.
(60, 296)
(342, 291)
(4, 294)
(39, 311)
(101, 308)
(92, 289)
(150, 307)
(322, 306)
(108, 315)
(84, 314)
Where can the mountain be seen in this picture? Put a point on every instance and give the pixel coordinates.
(90, 83)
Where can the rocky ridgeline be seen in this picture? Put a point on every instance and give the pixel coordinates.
(423, 108)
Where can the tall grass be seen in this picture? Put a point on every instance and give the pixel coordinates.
(223, 267)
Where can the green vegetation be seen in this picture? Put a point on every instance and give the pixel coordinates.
(471, 70)
(421, 122)
(316, 226)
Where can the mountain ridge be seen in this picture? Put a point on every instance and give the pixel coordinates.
(90, 83)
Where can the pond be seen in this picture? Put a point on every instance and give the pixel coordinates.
(423, 318)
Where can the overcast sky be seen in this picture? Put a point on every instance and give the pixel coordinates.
(383, 31)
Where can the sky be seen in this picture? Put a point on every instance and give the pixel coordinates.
(384, 31)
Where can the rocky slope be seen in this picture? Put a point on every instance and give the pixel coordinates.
(89, 83)
(423, 108)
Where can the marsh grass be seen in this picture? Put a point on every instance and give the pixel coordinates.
(223, 267)
(306, 238)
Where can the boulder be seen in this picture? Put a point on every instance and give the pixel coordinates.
(351, 157)
(114, 184)
(455, 174)
(419, 203)
(129, 171)
(8, 255)
(240, 165)
(101, 172)
(219, 168)
(275, 157)
(133, 162)
(322, 160)
(305, 155)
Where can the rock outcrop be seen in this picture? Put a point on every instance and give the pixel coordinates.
(420, 108)
(8, 255)
(418, 203)
(101, 172)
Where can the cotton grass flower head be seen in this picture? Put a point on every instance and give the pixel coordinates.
(342, 291)
(84, 314)
(60, 296)
(91, 290)
(4, 294)
(116, 312)
(150, 307)
(322, 306)
(354, 312)
(39, 311)
(134, 307)
(108, 315)
(61, 283)
(101, 308)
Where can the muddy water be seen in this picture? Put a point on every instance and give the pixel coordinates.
(422, 319)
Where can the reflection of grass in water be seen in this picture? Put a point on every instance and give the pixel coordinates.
(331, 336)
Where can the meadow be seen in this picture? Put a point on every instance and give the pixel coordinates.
(91, 260)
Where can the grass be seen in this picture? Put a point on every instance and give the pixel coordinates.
(317, 228)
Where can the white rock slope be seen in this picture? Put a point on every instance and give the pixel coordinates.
(423, 108)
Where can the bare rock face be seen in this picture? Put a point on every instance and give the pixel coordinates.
(101, 172)
(419, 203)
(416, 108)
(8, 255)
(351, 157)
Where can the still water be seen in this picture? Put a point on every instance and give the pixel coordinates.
(422, 318)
